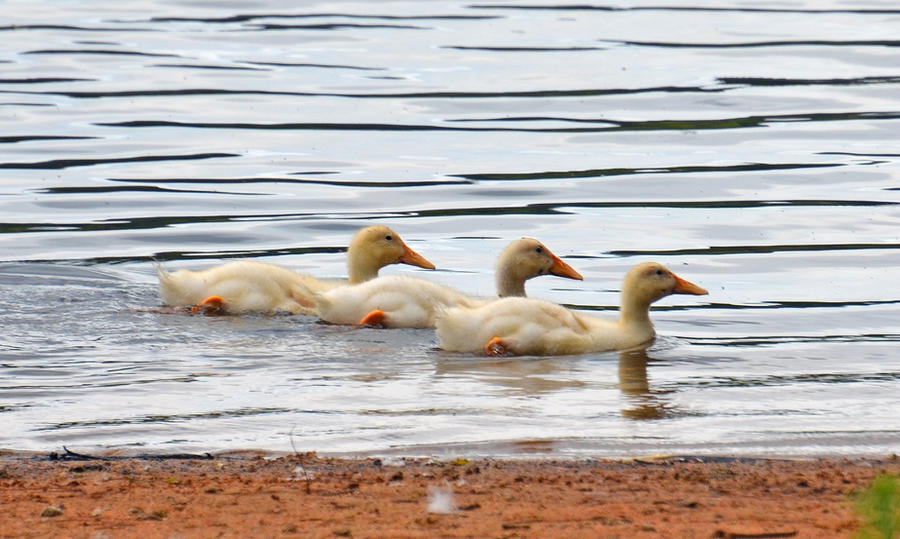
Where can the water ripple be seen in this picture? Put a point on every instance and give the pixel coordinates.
(299, 181)
(596, 173)
(55, 164)
(758, 249)
(135, 189)
(685, 8)
(334, 26)
(766, 81)
(256, 16)
(588, 92)
(522, 49)
(68, 27)
(890, 43)
(102, 52)
(697, 125)
(165, 418)
(792, 379)
(774, 340)
(12, 139)
(607, 124)
(322, 66)
(44, 80)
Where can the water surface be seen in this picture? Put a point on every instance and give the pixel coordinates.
(753, 150)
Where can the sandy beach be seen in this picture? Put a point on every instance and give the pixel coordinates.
(303, 495)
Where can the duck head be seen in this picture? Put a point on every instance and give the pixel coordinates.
(651, 281)
(526, 258)
(377, 246)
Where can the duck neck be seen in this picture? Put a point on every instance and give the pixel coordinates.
(359, 269)
(635, 314)
(508, 283)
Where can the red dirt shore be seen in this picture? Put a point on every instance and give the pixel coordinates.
(304, 495)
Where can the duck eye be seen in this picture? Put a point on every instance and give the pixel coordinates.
(539, 250)
(388, 237)
(659, 272)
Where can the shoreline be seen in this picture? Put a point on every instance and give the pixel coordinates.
(241, 494)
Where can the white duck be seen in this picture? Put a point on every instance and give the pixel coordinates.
(249, 286)
(398, 301)
(523, 326)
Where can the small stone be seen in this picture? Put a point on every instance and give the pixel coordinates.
(52, 511)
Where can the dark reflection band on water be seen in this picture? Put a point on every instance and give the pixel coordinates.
(34, 138)
(774, 340)
(255, 16)
(56, 164)
(537, 94)
(757, 44)
(790, 380)
(685, 8)
(299, 181)
(740, 249)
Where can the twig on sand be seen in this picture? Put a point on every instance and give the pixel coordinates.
(740, 535)
(71, 455)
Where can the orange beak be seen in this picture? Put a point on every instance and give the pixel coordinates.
(414, 259)
(687, 287)
(562, 269)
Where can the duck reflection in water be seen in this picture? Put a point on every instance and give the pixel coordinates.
(536, 376)
(519, 376)
(644, 402)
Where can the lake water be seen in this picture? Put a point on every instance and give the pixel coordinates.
(752, 147)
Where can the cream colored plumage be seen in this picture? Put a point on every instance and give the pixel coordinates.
(391, 301)
(250, 286)
(396, 301)
(244, 286)
(522, 326)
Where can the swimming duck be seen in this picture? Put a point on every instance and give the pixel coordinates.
(399, 301)
(250, 286)
(521, 326)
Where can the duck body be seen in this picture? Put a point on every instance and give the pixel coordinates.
(529, 326)
(249, 286)
(244, 286)
(395, 300)
(522, 326)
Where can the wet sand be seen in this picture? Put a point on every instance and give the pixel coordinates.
(248, 495)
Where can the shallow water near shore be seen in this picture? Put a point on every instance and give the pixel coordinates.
(752, 150)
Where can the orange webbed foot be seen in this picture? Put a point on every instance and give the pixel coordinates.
(210, 306)
(496, 347)
(374, 318)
